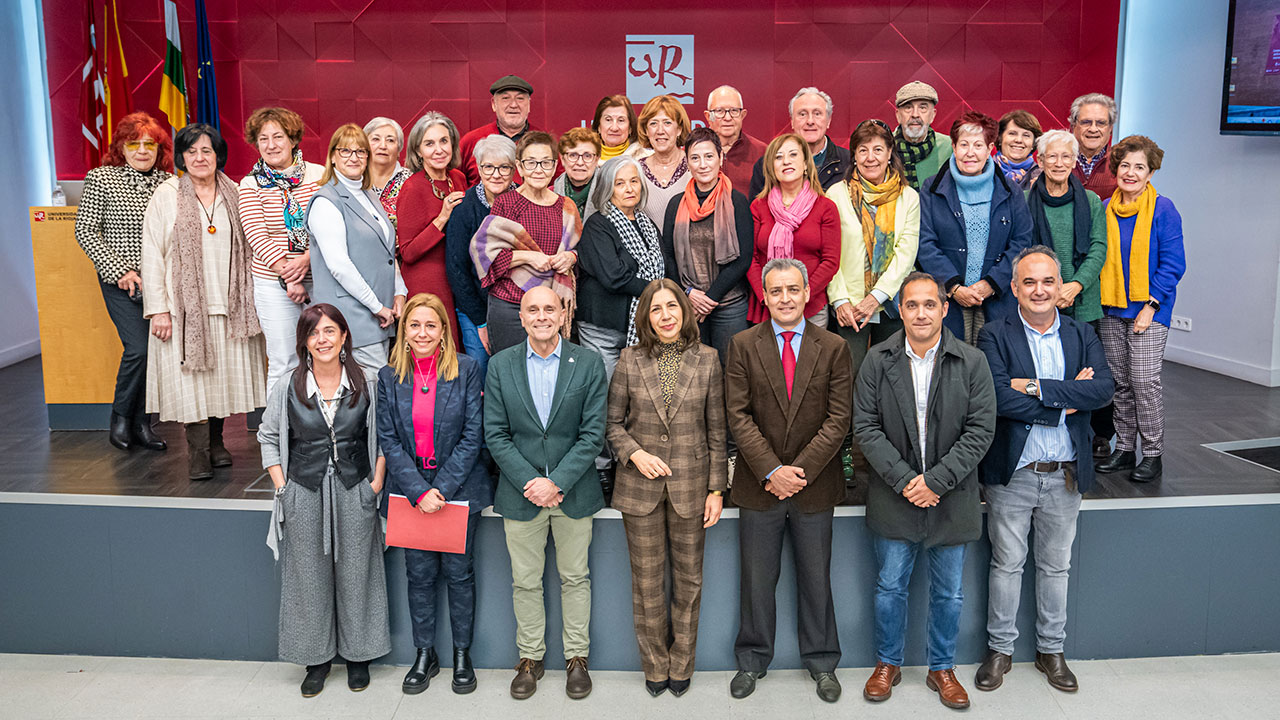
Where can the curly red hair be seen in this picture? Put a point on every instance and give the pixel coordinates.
(134, 126)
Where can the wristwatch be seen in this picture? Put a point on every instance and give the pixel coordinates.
(717, 493)
(1033, 388)
(1154, 305)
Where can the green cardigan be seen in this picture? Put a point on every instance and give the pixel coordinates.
(1088, 304)
(937, 160)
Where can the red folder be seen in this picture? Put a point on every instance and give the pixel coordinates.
(444, 530)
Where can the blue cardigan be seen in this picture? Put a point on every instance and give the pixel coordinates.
(1004, 342)
(943, 245)
(457, 437)
(469, 298)
(1167, 260)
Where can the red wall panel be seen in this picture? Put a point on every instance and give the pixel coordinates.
(339, 61)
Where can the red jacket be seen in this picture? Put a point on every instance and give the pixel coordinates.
(420, 244)
(817, 245)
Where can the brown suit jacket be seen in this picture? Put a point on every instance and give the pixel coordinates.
(690, 437)
(806, 430)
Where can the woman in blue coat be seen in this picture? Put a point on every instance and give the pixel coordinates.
(973, 222)
(429, 426)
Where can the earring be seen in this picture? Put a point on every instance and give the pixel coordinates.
(342, 355)
(308, 361)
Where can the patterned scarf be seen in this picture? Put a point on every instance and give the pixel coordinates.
(390, 193)
(1089, 165)
(912, 152)
(719, 206)
(1015, 171)
(295, 215)
(191, 314)
(1144, 207)
(782, 237)
(643, 246)
(877, 209)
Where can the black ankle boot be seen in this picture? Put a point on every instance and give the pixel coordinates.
(464, 676)
(1151, 468)
(357, 675)
(1120, 460)
(425, 666)
(118, 432)
(218, 455)
(198, 467)
(314, 681)
(145, 435)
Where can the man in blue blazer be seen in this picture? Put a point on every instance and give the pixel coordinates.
(1050, 373)
(544, 417)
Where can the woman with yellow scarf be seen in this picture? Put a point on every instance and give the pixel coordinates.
(1145, 261)
(879, 235)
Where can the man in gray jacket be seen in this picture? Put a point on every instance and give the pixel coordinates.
(924, 415)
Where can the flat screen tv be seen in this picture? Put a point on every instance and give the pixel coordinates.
(1251, 83)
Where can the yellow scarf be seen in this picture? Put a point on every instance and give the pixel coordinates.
(608, 153)
(877, 233)
(1144, 207)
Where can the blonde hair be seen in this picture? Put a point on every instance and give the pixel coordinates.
(673, 109)
(771, 178)
(346, 133)
(401, 359)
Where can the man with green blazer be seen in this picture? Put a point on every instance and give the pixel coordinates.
(544, 417)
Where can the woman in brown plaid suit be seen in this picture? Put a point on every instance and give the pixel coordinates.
(666, 424)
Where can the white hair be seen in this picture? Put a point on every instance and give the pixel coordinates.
(1054, 137)
(499, 146)
(1092, 99)
(378, 122)
(810, 91)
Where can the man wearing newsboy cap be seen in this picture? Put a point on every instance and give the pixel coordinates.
(924, 152)
(511, 96)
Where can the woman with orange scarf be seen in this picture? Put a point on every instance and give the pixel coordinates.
(707, 240)
(1145, 261)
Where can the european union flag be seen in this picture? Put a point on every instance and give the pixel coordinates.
(206, 86)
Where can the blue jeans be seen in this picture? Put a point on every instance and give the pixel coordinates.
(897, 559)
(471, 345)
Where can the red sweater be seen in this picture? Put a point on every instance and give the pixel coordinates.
(467, 146)
(817, 245)
(421, 245)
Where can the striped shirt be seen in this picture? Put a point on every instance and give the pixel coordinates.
(262, 214)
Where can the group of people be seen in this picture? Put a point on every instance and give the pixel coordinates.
(606, 317)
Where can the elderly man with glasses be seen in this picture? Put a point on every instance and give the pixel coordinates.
(725, 114)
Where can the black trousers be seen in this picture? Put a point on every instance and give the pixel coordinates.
(133, 329)
(424, 569)
(1100, 420)
(760, 546)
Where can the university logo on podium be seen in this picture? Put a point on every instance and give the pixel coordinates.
(659, 65)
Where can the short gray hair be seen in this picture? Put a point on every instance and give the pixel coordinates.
(1054, 137)
(1092, 99)
(735, 90)
(378, 122)
(427, 121)
(1036, 250)
(498, 145)
(810, 91)
(783, 263)
(602, 193)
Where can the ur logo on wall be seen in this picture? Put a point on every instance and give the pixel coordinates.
(659, 65)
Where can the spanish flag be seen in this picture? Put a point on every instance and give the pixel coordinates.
(173, 85)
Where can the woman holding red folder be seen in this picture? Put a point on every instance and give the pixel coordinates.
(429, 426)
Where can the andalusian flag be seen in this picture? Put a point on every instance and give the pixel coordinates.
(173, 86)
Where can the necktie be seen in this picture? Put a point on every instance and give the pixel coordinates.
(788, 359)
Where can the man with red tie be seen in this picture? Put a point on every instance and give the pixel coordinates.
(789, 398)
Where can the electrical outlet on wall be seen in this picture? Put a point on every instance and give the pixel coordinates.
(1180, 323)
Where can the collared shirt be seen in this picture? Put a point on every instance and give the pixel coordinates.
(795, 339)
(921, 377)
(1047, 443)
(542, 379)
(329, 407)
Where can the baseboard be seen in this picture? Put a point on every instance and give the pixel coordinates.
(18, 353)
(1267, 377)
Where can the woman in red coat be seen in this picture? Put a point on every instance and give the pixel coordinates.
(426, 201)
(794, 219)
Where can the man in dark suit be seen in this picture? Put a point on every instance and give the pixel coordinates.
(1049, 372)
(544, 416)
(788, 392)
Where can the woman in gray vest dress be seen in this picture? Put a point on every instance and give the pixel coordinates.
(353, 264)
(320, 447)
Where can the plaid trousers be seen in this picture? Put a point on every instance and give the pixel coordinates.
(1135, 361)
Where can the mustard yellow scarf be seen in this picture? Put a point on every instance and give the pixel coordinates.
(609, 152)
(876, 206)
(1144, 207)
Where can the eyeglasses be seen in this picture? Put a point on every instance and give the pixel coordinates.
(1093, 123)
(722, 113)
(359, 153)
(530, 165)
(577, 157)
(502, 170)
(133, 145)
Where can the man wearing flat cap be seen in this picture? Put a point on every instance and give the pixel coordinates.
(924, 152)
(511, 95)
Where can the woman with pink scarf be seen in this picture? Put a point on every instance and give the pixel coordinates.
(794, 219)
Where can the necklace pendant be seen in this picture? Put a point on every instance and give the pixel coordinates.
(212, 229)
(425, 389)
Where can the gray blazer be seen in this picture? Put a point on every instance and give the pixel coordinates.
(562, 182)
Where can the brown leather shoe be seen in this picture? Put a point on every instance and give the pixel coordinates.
(1054, 667)
(880, 685)
(991, 673)
(949, 689)
(577, 683)
(525, 683)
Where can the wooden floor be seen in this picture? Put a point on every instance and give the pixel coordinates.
(1200, 407)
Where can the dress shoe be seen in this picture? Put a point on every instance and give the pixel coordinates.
(198, 466)
(880, 685)
(118, 431)
(656, 688)
(1054, 667)
(144, 435)
(606, 483)
(828, 686)
(991, 672)
(218, 455)
(525, 683)
(1101, 447)
(1118, 461)
(357, 675)
(1151, 468)
(464, 675)
(949, 689)
(313, 683)
(678, 687)
(577, 681)
(425, 666)
(744, 683)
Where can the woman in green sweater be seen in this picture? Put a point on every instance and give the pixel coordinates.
(1069, 219)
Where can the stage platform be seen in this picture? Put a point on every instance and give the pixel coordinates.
(115, 553)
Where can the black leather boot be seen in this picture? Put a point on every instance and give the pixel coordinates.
(1120, 460)
(198, 467)
(425, 666)
(313, 683)
(118, 432)
(145, 435)
(606, 483)
(218, 455)
(1151, 468)
(464, 676)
